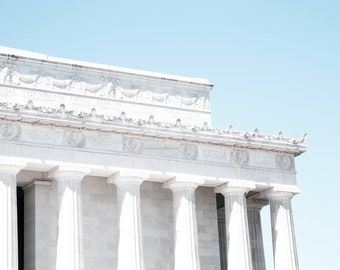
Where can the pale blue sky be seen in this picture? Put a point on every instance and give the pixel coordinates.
(275, 66)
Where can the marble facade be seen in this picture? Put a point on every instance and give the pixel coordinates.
(120, 169)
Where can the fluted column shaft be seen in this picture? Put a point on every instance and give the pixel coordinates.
(238, 243)
(70, 232)
(130, 247)
(255, 233)
(186, 248)
(8, 217)
(283, 235)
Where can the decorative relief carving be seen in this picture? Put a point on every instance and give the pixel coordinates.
(160, 98)
(4, 74)
(284, 162)
(74, 139)
(239, 156)
(128, 93)
(105, 87)
(189, 151)
(62, 84)
(173, 99)
(133, 145)
(17, 78)
(189, 101)
(10, 132)
(102, 89)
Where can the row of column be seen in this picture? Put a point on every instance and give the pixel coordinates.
(244, 242)
(130, 252)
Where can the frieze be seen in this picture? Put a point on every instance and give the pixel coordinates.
(129, 94)
(284, 162)
(39, 134)
(133, 145)
(239, 156)
(189, 151)
(160, 98)
(214, 154)
(104, 86)
(102, 141)
(74, 139)
(109, 142)
(10, 132)
(164, 148)
(102, 89)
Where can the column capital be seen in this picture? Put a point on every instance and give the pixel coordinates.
(181, 182)
(68, 172)
(11, 166)
(128, 177)
(235, 187)
(278, 191)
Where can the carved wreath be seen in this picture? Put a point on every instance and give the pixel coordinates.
(239, 156)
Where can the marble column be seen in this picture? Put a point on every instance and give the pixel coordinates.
(130, 246)
(283, 235)
(238, 242)
(8, 216)
(255, 233)
(186, 247)
(70, 234)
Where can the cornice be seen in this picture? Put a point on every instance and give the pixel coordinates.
(61, 117)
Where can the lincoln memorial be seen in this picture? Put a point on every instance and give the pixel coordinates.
(111, 168)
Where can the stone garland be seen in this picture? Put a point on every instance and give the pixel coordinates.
(103, 87)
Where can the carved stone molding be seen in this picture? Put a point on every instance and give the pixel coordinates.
(239, 156)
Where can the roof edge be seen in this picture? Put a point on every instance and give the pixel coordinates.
(33, 56)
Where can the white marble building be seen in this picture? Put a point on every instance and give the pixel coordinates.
(110, 168)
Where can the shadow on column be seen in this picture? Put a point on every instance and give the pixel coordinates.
(221, 230)
(20, 214)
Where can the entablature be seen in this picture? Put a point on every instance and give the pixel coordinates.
(149, 129)
(111, 119)
(46, 140)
